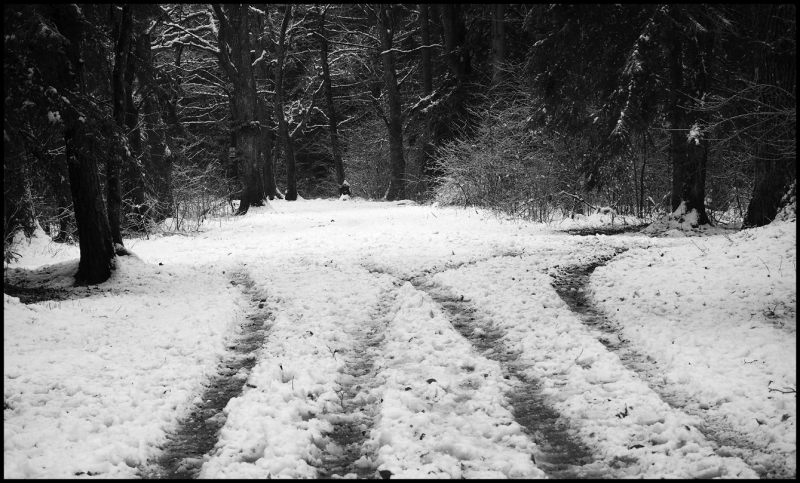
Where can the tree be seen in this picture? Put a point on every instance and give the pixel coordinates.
(46, 62)
(267, 139)
(119, 97)
(771, 94)
(498, 42)
(235, 58)
(385, 27)
(648, 51)
(328, 86)
(427, 86)
(283, 126)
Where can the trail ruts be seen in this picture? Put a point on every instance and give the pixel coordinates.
(198, 432)
(558, 454)
(353, 424)
(571, 284)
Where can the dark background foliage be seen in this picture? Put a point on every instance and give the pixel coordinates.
(121, 120)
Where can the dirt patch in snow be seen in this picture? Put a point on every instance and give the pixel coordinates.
(605, 230)
(198, 432)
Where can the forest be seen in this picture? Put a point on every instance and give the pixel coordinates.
(400, 241)
(122, 120)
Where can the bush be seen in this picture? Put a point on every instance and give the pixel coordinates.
(199, 192)
(506, 165)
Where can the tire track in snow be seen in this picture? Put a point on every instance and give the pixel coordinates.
(345, 454)
(571, 285)
(443, 411)
(630, 430)
(559, 453)
(197, 433)
(282, 425)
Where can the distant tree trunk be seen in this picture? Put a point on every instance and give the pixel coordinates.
(332, 121)
(688, 154)
(283, 127)
(458, 57)
(397, 188)
(427, 89)
(155, 159)
(498, 42)
(266, 141)
(458, 61)
(132, 174)
(267, 138)
(123, 47)
(775, 66)
(234, 34)
(61, 189)
(94, 233)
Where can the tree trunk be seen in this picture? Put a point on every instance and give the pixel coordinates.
(266, 141)
(397, 188)
(498, 42)
(458, 61)
(332, 121)
(234, 34)
(775, 168)
(267, 138)
(133, 173)
(283, 127)
(688, 150)
(427, 88)
(113, 168)
(454, 38)
(155, 163)
(94, 233)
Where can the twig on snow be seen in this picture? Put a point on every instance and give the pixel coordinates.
(698, 247)
(768, 272)
(333, 352)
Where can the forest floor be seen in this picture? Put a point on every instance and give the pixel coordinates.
(356, 339)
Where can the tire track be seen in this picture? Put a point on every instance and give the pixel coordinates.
(560, 454)
(571, 285)
(197, 433)
(346, 455)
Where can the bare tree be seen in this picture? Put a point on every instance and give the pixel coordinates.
(235, 58)
(385, 27)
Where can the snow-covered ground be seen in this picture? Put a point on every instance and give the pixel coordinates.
(93, 385)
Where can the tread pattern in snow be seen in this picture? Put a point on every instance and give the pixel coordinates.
(571, 284)
(345, 454)
(559, 454)
(197, 433)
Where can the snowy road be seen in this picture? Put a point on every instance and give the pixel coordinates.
(412, 341)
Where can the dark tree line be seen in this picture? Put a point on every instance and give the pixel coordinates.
(111, 109)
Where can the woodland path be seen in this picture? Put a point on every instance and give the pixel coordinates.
(559, 451)
(377, 340)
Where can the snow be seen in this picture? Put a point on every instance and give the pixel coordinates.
(95, 384)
